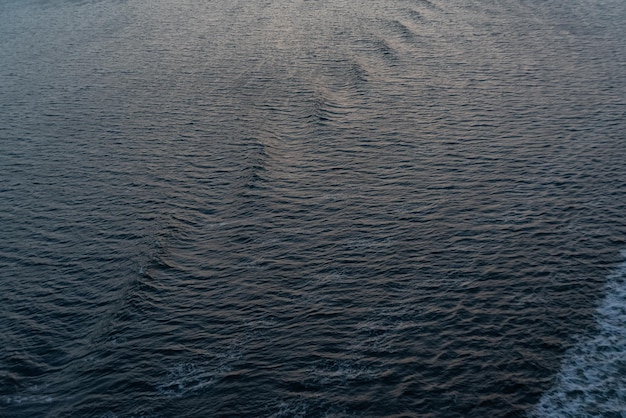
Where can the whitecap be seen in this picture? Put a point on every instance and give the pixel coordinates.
(592, 380)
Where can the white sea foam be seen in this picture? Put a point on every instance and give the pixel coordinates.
(187, 378)
(22, 399)
(33, 394)
(190, 377)
(335, 373)
(291, 409)
(592, 381)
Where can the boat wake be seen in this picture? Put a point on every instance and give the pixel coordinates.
(592, 380)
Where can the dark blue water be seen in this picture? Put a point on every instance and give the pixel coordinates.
(312, 208)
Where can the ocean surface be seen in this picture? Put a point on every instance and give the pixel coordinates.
(312, 208)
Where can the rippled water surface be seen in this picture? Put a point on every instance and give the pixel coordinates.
(309, 208)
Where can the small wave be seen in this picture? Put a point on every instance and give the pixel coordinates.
(358, 73)
(331, 105)
(403, 30)
(426, 4)
(383, 48)
(414, 15)
(592, 380)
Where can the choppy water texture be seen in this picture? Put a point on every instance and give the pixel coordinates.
(312, 208)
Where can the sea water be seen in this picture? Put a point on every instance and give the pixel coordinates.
(312, 208)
